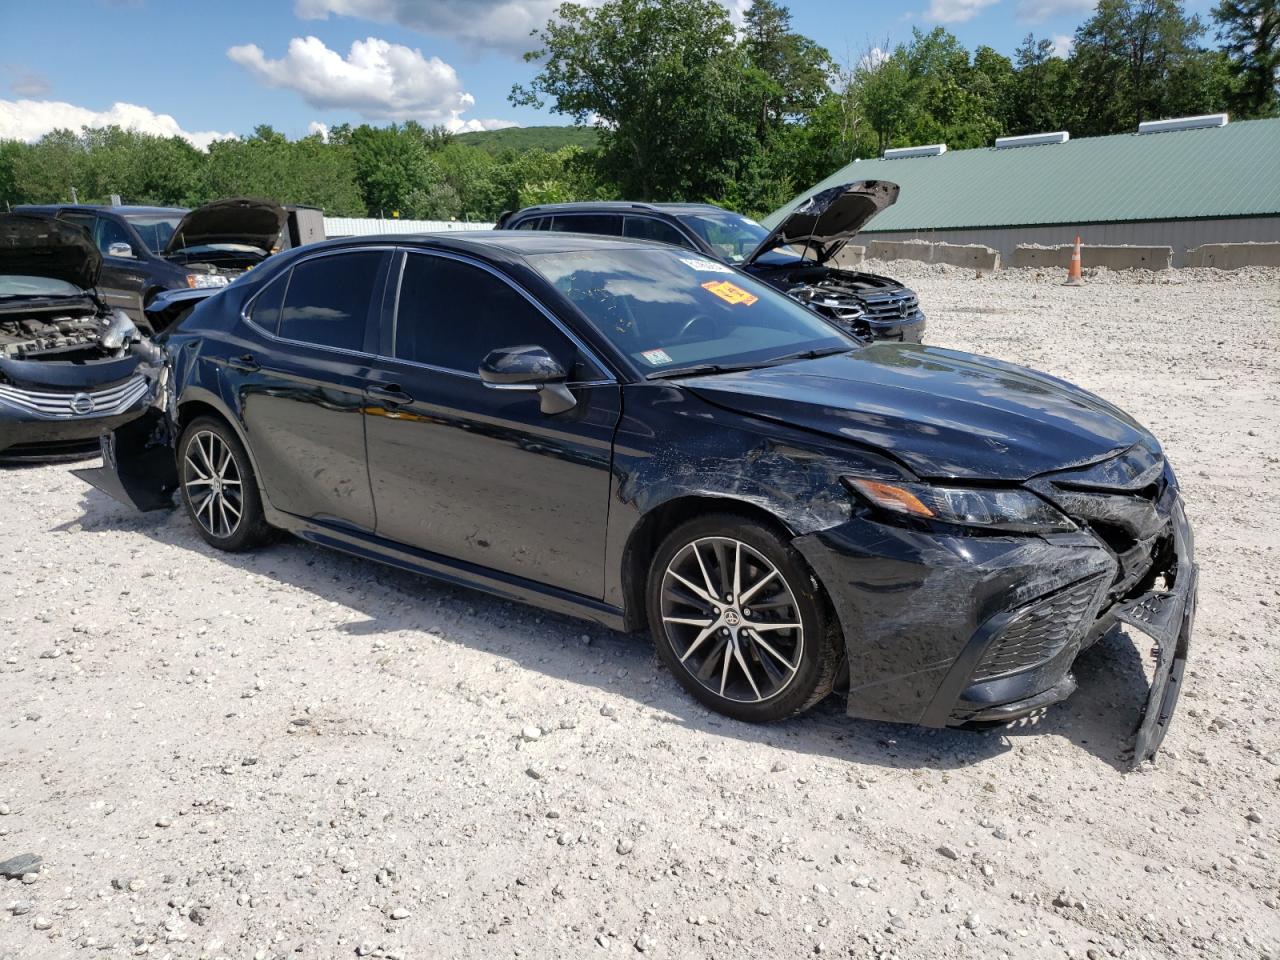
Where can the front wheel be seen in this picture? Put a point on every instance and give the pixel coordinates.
(740, 621)
(219, 488)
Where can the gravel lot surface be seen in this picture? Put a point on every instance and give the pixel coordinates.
(294, 753)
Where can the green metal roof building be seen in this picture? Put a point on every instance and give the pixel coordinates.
(1178, 187)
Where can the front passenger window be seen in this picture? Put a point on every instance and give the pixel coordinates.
(452, 314)
(328, 300)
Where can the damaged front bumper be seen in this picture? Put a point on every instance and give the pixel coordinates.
(49, 409)
(948, 629)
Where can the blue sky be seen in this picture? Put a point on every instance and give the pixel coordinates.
(213, 69)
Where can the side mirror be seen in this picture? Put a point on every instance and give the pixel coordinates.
(119, 250)
(529, 368)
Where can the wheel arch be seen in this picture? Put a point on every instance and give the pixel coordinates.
(654, 526)
(198, 402)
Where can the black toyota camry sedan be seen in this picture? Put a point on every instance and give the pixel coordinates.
(615, 430)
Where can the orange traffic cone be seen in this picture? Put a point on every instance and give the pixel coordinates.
(1073, 272)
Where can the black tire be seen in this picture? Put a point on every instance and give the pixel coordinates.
(781, 684)
(237, 522)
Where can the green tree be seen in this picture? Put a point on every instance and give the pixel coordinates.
(1250, 35)
(1044, 89)
(662, 80)
(393, 168)
(1126, 55)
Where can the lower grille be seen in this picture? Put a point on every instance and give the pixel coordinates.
(1042, 630)
(86, 403)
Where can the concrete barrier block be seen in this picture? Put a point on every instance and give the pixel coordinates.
(967, 255)
(1231, 256)
(1041, 257)
(1113, 257)
(850, 256)
(958, 254)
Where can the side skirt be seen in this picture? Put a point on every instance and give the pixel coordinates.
(370, 547)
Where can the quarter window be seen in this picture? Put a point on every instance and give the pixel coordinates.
(452, 314)
(533, 223)
(647, 228)
(328, 300)
(266, 308)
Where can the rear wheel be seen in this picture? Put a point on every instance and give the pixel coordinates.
(739, 620)
(219, 487)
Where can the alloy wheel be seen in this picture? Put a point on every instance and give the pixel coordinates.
(732, 619)
(212, 481)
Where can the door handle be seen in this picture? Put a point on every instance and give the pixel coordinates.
(388, 393)
(244, 363)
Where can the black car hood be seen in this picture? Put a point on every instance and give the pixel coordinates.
(33, 246)
(255, 223)
(943, 413)
(826, 221)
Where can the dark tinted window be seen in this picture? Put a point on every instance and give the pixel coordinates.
(605, 224)
(451, 314)
(266, 308)
(533, 223)
(328, 300)
(647, 228)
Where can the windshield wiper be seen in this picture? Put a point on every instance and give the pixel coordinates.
(809, 355)
(699, 369)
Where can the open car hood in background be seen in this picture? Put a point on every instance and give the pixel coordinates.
(32, 246)
(826, 221)
(254, 223)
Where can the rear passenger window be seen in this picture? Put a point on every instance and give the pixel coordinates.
(265, 311)
(533, 223)
(646, 228)
(328, 299)
(452, 314)
(605, 224)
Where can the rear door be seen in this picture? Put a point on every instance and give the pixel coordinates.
(476, 474)
(302, 384)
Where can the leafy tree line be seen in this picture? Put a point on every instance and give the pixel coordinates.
(675, 103)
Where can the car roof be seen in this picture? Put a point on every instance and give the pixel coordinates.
(504, 243)
(618, 206)
(98, 208)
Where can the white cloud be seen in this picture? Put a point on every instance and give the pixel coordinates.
(32, 119)
(470, 126)
(1034, 11)
(377, 79)
(1062, 44)
(955, 11)
(504, 24)
(316, 127)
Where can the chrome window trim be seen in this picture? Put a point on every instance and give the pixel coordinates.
(573, 338)
(247, 309)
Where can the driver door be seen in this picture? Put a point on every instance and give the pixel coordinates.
(477, 474)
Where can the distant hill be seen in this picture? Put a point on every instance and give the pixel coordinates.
(520, 139)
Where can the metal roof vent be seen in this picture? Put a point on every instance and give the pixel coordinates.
(1183, 123)
(932, 150)
(1032, 139)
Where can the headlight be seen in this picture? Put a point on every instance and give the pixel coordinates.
(198, 281)
(1014, 510)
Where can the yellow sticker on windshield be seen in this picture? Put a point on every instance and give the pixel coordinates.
(730, 292)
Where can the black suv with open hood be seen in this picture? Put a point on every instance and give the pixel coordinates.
(68, 361)
(797, 256)
(145, 250)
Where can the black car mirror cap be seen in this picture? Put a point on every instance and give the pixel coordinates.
(529, 367)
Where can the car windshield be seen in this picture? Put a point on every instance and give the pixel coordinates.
(18, 285)
(733, 236)
(668, 310)
(155, 230)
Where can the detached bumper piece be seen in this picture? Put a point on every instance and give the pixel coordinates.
(1167, 618)
(138, 468)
